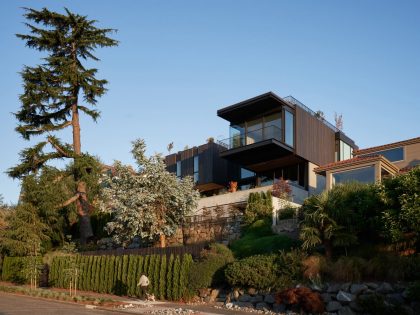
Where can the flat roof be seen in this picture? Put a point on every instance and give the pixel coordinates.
(252, 107)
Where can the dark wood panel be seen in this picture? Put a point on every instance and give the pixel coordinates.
(314, 142)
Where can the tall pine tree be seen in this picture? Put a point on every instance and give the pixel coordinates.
(55, 93)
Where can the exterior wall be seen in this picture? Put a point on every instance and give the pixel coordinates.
(314, 141)
(312, 179)
(411, 156)
(298, 196)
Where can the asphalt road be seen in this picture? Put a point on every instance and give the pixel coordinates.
(18, 305)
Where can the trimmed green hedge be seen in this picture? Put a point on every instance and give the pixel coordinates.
(119, 274)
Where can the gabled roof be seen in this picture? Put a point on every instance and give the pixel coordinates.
(356, 161)
(387, 146)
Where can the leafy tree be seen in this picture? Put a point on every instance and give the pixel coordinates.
(340, 217)
(51, 100)
(149, 203)
(24, 232)
(401, 196)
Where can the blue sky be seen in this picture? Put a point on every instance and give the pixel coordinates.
(180, 61)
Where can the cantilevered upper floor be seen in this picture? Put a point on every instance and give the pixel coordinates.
(268, 131)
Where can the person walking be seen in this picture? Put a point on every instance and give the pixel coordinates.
(143, 284)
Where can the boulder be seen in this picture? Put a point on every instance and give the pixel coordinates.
(236, 294)
(333, 288)
(333, 306)
(244, 298)
(252, 291)
(229, 305)
(257, 299)
(203, 292)
(279, 308)
(262, 306)
(346, 310)
(372, 285)
(269, 298)
(355, 307)
(385, 288)
(345, 297)
(358, 288)
(214, 294)
(394, 298)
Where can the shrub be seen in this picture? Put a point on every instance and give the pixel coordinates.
(375, 305)
(303, 298)
(258, 239)
(287, 213)
(265, 272)
(414, 291)
(259, 206)
(209, 270)
(254, 271)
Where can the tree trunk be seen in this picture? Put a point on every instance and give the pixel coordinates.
(162, 240)
(328, 249)
(82, 204)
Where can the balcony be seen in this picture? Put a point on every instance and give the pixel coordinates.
(255, 146)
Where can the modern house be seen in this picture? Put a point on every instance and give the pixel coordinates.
(372, 164)
(269, 138)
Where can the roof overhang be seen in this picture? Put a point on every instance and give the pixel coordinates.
(357, 162)
(250, 108)
(387, 146)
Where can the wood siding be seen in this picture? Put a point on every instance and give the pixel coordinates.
(314, 141)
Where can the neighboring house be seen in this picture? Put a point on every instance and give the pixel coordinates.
(269, 138)
(372, 164)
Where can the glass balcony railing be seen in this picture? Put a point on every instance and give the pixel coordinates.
(251, 137)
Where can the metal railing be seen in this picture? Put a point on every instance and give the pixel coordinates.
(251, 137)
(290, 99)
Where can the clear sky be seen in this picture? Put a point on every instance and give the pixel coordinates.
(180, 61)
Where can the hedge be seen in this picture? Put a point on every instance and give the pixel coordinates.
(119, 274)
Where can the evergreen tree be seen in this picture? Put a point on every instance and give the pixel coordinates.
(156, 277)
(175, 281)
(162, 278)
(124, 275)
(24, 232)
(111, 275)
(169, 278)
(51, 100)
(140, 263)
(183, 278)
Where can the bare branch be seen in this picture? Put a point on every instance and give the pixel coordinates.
(59, 150)
(69, 201)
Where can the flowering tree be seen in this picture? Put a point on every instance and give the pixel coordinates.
(149, 203)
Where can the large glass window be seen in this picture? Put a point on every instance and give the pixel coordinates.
(393, 155)
(289, 128)
(363, 175)
(254, 132)
(346, 151)
(196, 169)
(178, 169)
(246, 173)
(272, 126)
(237, 135)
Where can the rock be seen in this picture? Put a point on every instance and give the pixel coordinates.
(214, 294)
(236, 294)
(244, 298)
(279, 308)
(358, 288)
(203, 292)
(269, 298)
(257, 299)
(229, 305)
(333, 306)
(244, 304)
(372, 285)
(262, 306)
(252, 291)
(416, 307)
(333, 288)
(408, 310)
(394, 298)
(345, 297)
(326, 297)
(316, 288)
(346, 310)
(345, 287)
(384, 288)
